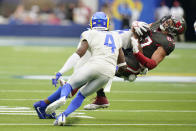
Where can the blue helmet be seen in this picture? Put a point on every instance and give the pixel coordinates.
(99, 21)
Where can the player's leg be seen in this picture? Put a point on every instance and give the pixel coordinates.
(91, 87)
(64, 93)
(77, 80)
(41, 105)
(73, 92)
(101, 100)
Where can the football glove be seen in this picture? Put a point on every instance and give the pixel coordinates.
(55, 80)
(134, 43)
(140, 27)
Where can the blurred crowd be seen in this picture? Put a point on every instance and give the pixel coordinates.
(66, 12)
(163, 10)
(55, 14)
(76, 11)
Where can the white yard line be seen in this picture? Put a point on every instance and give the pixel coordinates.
(14, 111)
(28, 91)
(135, 111)
(123, 111)
(13, 108)
(114, 91)
(153, 92)
(110, 100)
(23, 114)
(25, 83)
(153, 100)
(19, 99)
(37, 124)
(139, 79)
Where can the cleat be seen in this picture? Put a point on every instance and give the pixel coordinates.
(40, 109)
(55, 105)
(100, 102)
(60, 120)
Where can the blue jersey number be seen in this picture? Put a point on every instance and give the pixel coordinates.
(109, 41)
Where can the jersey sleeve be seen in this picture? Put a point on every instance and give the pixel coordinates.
(166, 42)
(120, 42)
(126, 39)
(85, 36)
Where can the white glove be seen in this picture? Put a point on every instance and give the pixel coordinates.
(134, 43)
(131, 78)
(139, 27)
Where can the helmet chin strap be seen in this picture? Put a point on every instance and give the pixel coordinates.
(100, 28)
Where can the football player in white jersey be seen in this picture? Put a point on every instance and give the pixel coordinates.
(73, 61)
(106, 52)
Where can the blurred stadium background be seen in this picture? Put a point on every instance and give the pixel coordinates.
(36, 38)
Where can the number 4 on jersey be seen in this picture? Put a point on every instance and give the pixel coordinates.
(109, 41)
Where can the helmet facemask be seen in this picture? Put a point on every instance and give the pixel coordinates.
(173, 25)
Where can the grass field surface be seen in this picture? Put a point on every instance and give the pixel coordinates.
(137, 106)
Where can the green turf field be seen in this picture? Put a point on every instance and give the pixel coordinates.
(139, 106)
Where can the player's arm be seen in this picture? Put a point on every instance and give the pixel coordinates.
(152, 62)
(121, 64)
(75, 57)
(122, 68)
(72, 61)
(158, 55)
(121, 60)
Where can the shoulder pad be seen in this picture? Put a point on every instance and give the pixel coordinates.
(85, 35)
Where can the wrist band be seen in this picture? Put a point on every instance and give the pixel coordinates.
(121, 64)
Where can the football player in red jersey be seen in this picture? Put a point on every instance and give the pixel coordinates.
(149, 48)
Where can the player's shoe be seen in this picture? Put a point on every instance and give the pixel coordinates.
(100, 102)
(41, 111)
(55, 105)
(60, 120)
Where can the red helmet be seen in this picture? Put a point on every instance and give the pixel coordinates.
(173, 25)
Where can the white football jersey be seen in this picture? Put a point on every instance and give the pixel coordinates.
(104, 48)
(126, 38)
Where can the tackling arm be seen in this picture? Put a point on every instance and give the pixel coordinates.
(72, 61)
(122, 66)
(75, 57)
